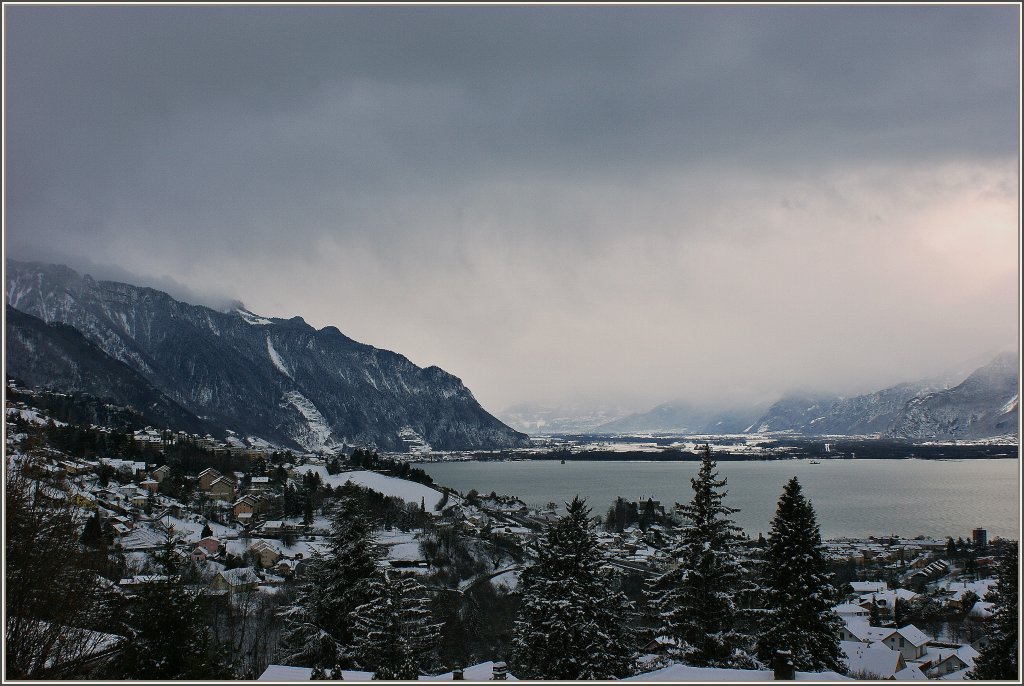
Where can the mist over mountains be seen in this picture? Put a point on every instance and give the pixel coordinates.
(278, 380)
(281, 380)
(983, 405)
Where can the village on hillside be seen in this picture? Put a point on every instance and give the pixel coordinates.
(913, 609)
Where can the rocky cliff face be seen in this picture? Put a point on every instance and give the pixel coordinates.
(984, 405)
(276, 379)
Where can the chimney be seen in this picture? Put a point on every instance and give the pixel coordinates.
(499, 671)
(784, 670)
(457, 674)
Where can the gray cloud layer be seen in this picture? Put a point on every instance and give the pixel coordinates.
(552, 202)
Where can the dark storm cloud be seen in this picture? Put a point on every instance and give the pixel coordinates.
(450, 144)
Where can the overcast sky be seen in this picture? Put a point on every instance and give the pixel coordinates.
(560, 204)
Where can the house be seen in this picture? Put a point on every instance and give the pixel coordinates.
(861, 588)
(911, 673)
(851, 610)
(948, 665)
(277, 527)
(258, 484)
(150, 485)
(676, 673)
(222, 488)
(161, 473)
(886, 600)
(235, 580)
(943, 659)
(909, 640)
(209, 544)
(246, 505)
(207, 477)
(872, 660)
(962, 590)
(267, 553)
(199, 554)
(485, 671)
(928, 573)
(285, 568)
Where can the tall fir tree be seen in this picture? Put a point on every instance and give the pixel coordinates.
(1000, 658)
(167, 635)
(318, 625)
(570, 624)
(395, 637)
(695, 601)
(874, 615)
(799, 598)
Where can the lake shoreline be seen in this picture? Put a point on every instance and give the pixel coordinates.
(906, 497)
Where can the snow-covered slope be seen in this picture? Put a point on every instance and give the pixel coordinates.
(409, 491)
(984, 405)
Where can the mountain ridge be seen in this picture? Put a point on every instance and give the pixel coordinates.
(983, 405)
(277, 379)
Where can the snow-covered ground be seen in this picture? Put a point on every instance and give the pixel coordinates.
(508, 580)
(409, 491)
(33, 416)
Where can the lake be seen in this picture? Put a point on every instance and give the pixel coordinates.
(853, 498)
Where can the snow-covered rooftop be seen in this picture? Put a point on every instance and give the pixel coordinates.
(679, 672)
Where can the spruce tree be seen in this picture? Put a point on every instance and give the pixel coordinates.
(695, 600)
(167, 635)
(318, 626)
(874, 616)
(799, 615)
(570, 624)
(395, 637)
(1000, 658)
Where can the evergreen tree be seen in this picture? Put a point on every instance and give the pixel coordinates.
(395, 636)
(694, 601)
(899, 612)
(799, 616)
(1000, 658)
(207, 531)
(570, 624)
(166, 633)
(318, 626)
(874, 616)
(92, 533)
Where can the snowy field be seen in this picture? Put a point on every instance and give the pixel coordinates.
(409, 491)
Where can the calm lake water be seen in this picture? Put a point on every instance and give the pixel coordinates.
(851, 497)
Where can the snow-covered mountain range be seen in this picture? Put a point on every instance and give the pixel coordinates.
(276, 379)
(984, 405)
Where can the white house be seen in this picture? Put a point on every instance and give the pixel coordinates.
(868, 587)
(909, 640)
(872, 660)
